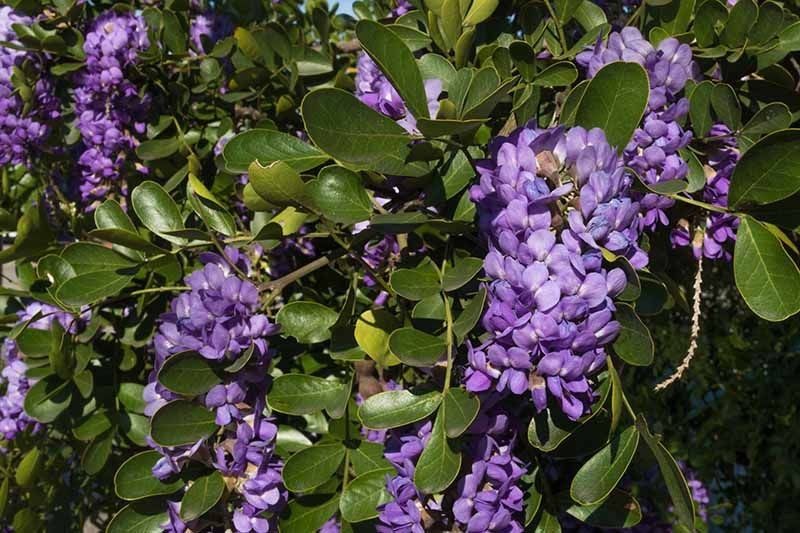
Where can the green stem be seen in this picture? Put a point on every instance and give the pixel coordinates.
(561, 37)
(161, 289)
(707, 207)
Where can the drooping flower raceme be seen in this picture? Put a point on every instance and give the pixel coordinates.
(110, 108)
(654, 150)
(219, 319)
(487, 497)
(13, 380)
(25, 113)
(549, 201)
(717, 234)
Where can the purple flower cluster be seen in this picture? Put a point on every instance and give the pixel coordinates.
(208, 28)
(109, 106)
(374, 89)
(487, 498)
(718, 234)
(25, 116)
(219, 319)
(13, 419)
(549, 201)
(654, 150)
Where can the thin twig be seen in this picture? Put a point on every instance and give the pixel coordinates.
(697, 298)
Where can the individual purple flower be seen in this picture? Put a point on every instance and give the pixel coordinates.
(331, 526)
(401, 8)
(374, 89)
(715, 237)
(549, 202)
(110, 107)
(208, 28)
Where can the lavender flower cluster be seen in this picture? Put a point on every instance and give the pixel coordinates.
(219, 319)
(715, 238)
(208, 28)
(549, 201)
(487, 498)
(13, 379)
(24, 118)
(654, 150)
(110, 109)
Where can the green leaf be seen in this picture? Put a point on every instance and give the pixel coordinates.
(181, 422)
(595, 480)
(353, 133)
(457, 275)
(91, 287)
(33, 234)
(202, 495)
(524, 59)
(372, 332)
(726, 105)
(678, 490)
(769, 171)
(290, 440)
(706, 19)
(416, 348)
(126, 241)
(619, 510)
(299, 394)
(34, 343)
(368, 456)
(765, 274)
(208, 208)
(469, 317)
(547, 523)
(479, 11)
(131, 397)
(311, 467)
(135, 480)
(87, 258)
(157, 148)
(769, 22)
(97, 453)
(278, 183)
(634, 345)
(188, 373)
(268, 146)
(533, 497)
(157, 210)
(308, 322)
(741, 18)
(393, 409)
(459, 409)
(28, 469)
(340, 196)
(140, 517)
(696, 176)
(557, 75)
(700, 108)
(111, 220)
(770, 118)
(439, 463)
(92, 426)
(397, 62)
(416, 283)
(615, 101)
(308, 514)
(61, 355)
(362, 496)
(48, 398)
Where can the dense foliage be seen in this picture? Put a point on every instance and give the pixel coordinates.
(275, 267)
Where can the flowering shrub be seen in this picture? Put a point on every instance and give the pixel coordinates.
(276, 267)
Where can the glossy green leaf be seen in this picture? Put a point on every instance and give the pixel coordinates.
(188, 373)
(468, 318)
(372, 332)
(157, 210)
(726, 105)
(700, 108)
(557, 75)
(157, 148)
(479, 11)
(130, 396)
(208, 208)
(181, 422)
(765, 274)
(634, 343)
(679, 492)
(533, 497)
(299, 394)
(34, 343)
(546, 522)
(354, 134)
(440, 461)
(340, 196)
(277, 183)
(96, 455)
(393, 409)
(308, 322)
(397, 62)
(614, 101)
(202, 495)
(311, 467)
(619, 510)
(134, 479)
(92, 426)
(362, 496)
(459, 274)
(769, 171)
(595, 480)
(368, 456)
(268, 146)
(309, 513)
(139, 517)
(459, 409)
(48, 398)
(28, 468)
(742, 17)
(416, 348)
(770, 118)
(416, 283)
